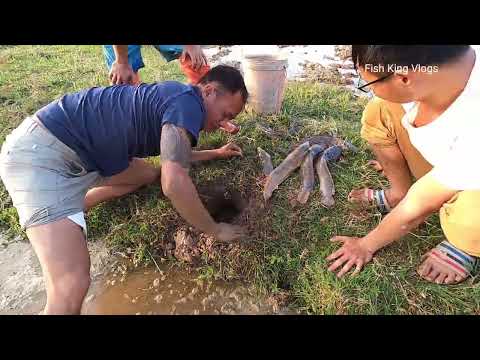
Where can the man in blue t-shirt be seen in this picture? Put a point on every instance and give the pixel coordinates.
(88, 147)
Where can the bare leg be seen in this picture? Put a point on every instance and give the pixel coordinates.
(62, 251)
(138, 174)
(396, 170)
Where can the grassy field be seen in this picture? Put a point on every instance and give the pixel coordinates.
(285, 254)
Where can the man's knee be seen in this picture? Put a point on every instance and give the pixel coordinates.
(395, 196)
(460, 221)
(151, 174)
(379, 122)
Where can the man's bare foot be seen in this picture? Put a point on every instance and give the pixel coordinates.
(446, 264)
(372, 197)
(360, 196)
(433, 270)
(364, 195)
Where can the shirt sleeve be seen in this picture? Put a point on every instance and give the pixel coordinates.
(184, 111)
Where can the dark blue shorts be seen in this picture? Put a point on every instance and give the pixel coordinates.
(169, 53)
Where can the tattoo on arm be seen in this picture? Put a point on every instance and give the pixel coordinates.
(175, 145)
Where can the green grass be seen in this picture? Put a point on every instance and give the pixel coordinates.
(287, 247)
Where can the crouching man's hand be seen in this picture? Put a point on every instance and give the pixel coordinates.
(228, 151)
(352, 253)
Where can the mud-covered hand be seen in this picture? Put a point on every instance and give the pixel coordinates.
(227, 233)
(121, 73)
(196, 55)
(228, 151)
(352, 253)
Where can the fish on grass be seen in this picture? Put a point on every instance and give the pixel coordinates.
(327, 187)
(308, 175)
(266, 161)
(326, 148)
(282, 171)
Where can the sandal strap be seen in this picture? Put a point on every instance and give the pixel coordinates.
(457, 258)
(443, 258)
(379, 198)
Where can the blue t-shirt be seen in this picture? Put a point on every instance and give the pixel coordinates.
(107, 126)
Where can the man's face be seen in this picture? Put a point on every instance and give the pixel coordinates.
(397, 88)
(221, 107)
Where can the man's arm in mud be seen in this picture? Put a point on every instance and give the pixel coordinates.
(425, 197)
(175, 152)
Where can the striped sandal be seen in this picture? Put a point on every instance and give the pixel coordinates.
(379, 198)
(461, 263)
(376, 197)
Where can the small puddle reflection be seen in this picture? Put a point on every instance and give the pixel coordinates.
(146, 291)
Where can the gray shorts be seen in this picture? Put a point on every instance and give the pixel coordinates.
(46, 179)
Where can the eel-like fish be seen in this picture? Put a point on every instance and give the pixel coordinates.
(266, 161)
(327, 188)
(308, 173)
(327, 140)
(333, 153)
(322, 140)
(282, 171)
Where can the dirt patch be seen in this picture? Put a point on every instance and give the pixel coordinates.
(343, 51)
(224, 204)
(120, 288)
(22, 290)
(21, 280)
(223, 51)
(325, 74)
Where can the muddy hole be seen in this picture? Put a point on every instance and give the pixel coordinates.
(223, 203)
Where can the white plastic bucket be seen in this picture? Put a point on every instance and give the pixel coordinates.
(265, 78)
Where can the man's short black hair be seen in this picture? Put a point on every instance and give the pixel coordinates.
(406, 55)
(228, 77)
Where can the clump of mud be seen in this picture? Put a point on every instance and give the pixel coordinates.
(224, 205)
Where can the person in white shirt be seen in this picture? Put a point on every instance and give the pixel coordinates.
(423, 121)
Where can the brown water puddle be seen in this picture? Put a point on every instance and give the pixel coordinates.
(149, 291)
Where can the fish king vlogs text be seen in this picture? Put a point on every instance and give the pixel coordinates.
(380, 68)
